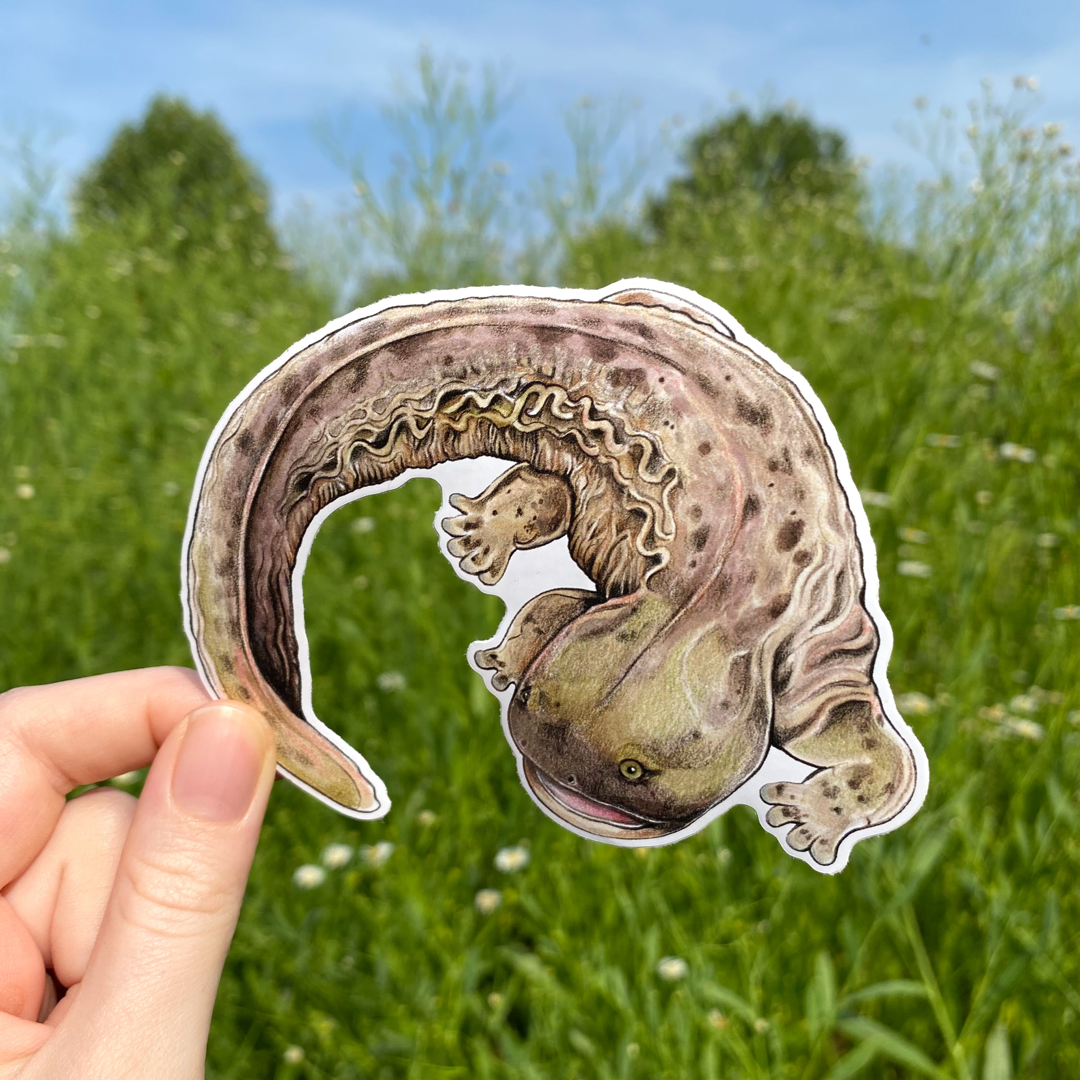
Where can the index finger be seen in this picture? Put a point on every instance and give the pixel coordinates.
(54, 738)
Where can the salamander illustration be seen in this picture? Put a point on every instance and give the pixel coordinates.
(698, 489)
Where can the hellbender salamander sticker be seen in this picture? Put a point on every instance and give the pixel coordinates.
(728, 646)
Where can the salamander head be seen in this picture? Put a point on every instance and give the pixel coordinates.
(629, 758)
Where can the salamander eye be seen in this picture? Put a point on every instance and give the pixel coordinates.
(631, 769)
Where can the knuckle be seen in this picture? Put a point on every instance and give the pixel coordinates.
(170, 894)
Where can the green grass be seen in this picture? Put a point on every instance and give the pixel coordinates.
(947, 948)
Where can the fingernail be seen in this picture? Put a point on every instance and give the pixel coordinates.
(220, 762)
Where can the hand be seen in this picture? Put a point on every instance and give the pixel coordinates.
(122, 908)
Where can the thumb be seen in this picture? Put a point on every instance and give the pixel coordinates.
(145, 1001)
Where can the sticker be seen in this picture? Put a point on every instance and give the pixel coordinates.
(664, 507)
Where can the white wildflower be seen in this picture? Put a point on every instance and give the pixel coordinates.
(170, 488)
(377, 854)
(914, 536)
(876, 498)
(761, 1025)
(511, 859)
(427, 818)
(914, 568)
(1014, 452)
(390, 681)
(916, 703)
(944, 442)
(921, 102)
(1025, 703)
(984, 370)
(1032, 83)
(717, 1020)
(495, 1000)
(1026, 729)
(976, 186)
(5, 556)
(1051, 129)
(308, 876)
(360, 581)
(984, 498)
(293, 1054)
(672, 968)
(363, 525)
(335, 856)
(487, 900)
(178, 157)
(1047, 540)
(1067, 613)
(24, 491)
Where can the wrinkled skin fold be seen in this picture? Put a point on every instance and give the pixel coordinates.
(698, 492)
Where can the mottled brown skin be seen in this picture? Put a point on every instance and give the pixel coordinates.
(697, 491)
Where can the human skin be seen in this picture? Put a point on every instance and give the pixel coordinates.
(696, 488)
(122, 908)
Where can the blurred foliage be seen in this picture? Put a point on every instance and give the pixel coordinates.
(941, 332)
(750, 161)
(178, 181)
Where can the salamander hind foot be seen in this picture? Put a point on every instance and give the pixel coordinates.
(522, 509)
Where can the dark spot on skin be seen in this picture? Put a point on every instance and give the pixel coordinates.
(704, 448)
(243, 693)
(860, 798)
(759, 416)
(808, 453)
(855, 783)
(695, 512)
(700, 537)
(789, 812)
(644, 330)
(237, 516)
(800, 493)
(547, 336)
(869, 744)
(619, 377)
(889, 788)
(830, 791)
(750, 507)
(723, 586)
(245, 441)
(789, 535)
(727, 378)
(291, 387)
(693, 564)
(627, 635)
(705, 383)
(802, 557)
(779, 605)
(302, 484)
(837, 810)
(602, 349)
(780, 789)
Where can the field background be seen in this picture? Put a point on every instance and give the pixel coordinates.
(938, 323)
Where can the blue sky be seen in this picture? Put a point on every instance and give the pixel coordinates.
(271, 69)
